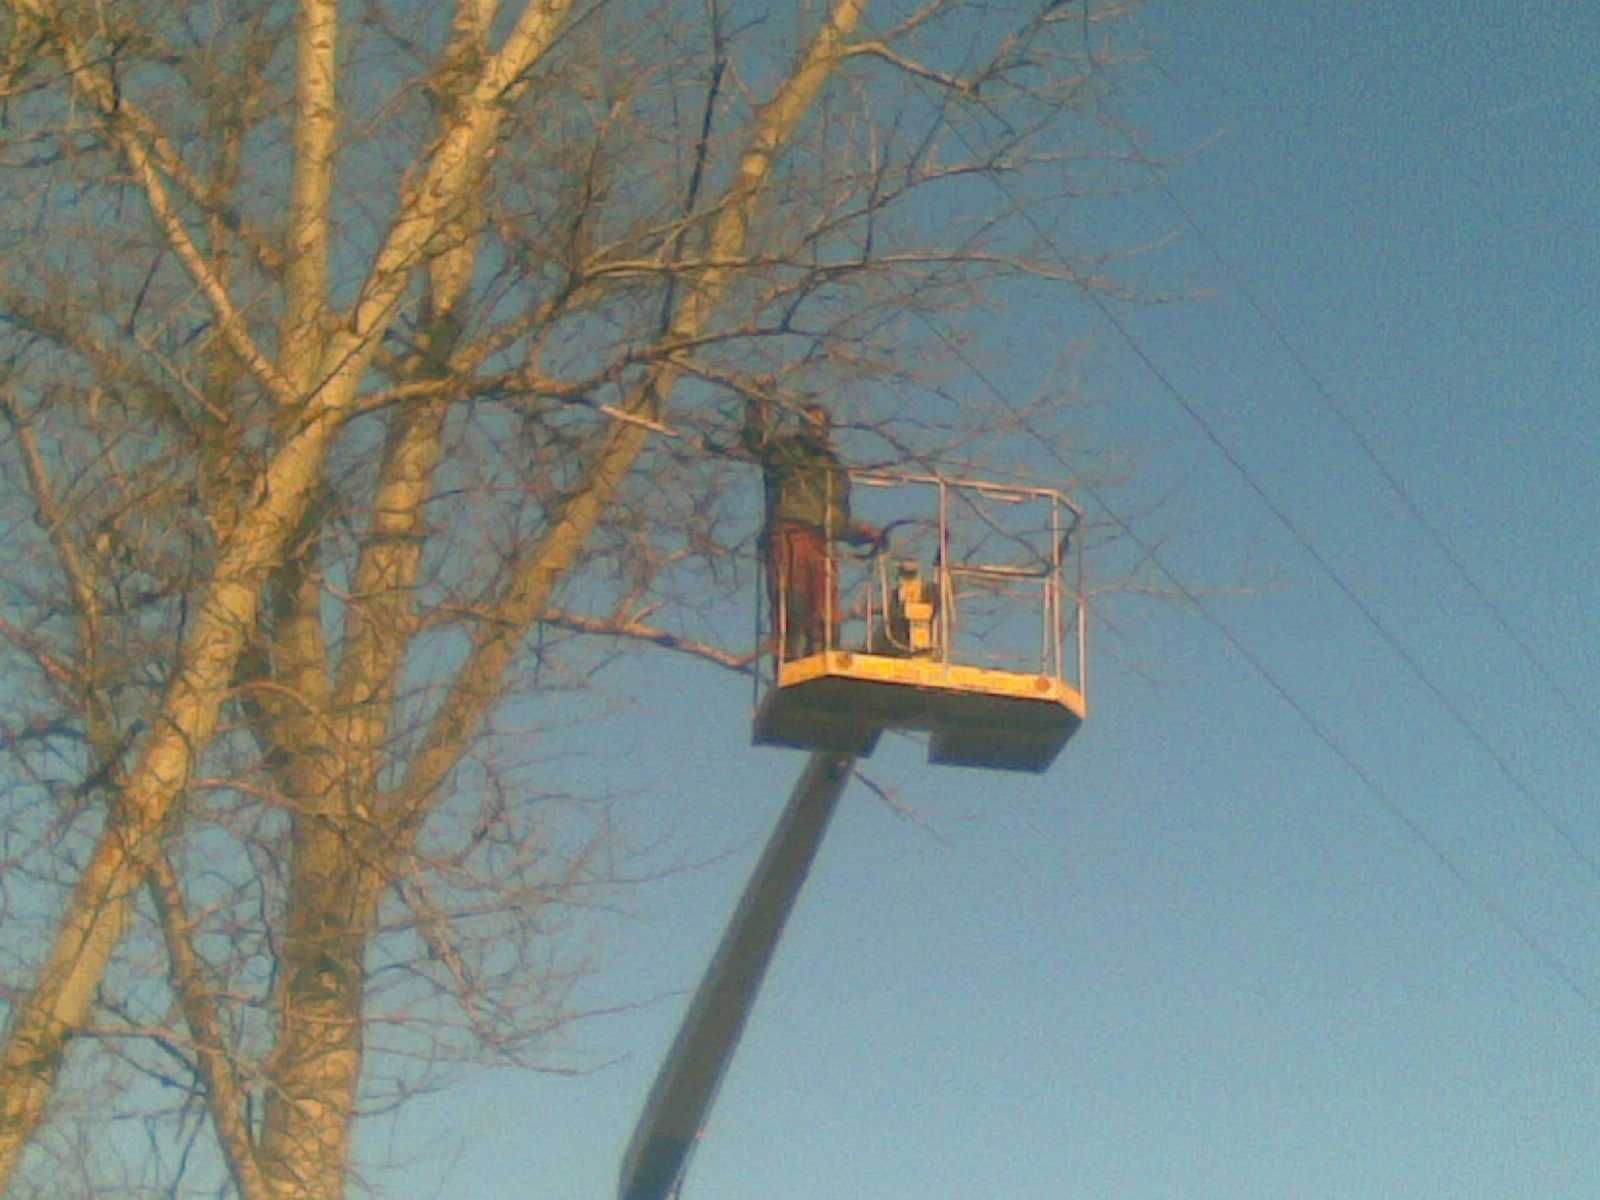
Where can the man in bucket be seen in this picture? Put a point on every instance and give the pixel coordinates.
(807, 510)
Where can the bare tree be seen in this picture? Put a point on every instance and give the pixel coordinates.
(345, 347)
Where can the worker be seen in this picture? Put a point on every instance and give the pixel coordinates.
(807, 510)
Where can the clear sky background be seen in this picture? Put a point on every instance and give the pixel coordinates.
(1310, 908)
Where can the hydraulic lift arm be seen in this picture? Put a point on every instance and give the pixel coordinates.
(686, 1086)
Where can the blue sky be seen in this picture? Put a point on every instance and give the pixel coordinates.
(1202, 957)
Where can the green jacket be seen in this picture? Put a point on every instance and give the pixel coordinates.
(806, 485)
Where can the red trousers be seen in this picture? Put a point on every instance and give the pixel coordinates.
(803, 588)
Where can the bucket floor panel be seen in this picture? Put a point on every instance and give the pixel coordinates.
(842, 702)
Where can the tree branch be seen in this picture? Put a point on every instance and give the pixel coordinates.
(307, 237)
(621, 627)
(225, 1098)
(96, 86)
(98, 911)
(480, 680)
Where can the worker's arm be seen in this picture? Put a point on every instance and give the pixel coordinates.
(855, 532)
(859, 533)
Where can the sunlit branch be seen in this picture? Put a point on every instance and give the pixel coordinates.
(617, 627)
(225, 1098)
(93, 84)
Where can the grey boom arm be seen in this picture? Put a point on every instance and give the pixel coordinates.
(686, 1086)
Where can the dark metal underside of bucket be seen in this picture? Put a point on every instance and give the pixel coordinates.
(966, 728)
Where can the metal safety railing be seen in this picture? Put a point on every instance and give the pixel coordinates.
(968, 572)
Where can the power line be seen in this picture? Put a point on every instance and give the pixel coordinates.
(1396, 646)
(1554, 964)
(1345, 589)
(1408, 501)
(1463, 878)
(1395, 484)
(1544, 954)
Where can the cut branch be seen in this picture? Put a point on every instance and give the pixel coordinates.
(620, 627)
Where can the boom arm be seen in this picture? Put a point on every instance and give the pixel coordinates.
(687, 1084)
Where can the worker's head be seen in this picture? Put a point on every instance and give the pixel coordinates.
(818, 420)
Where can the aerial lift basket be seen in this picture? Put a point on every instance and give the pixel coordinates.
(968, 627)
